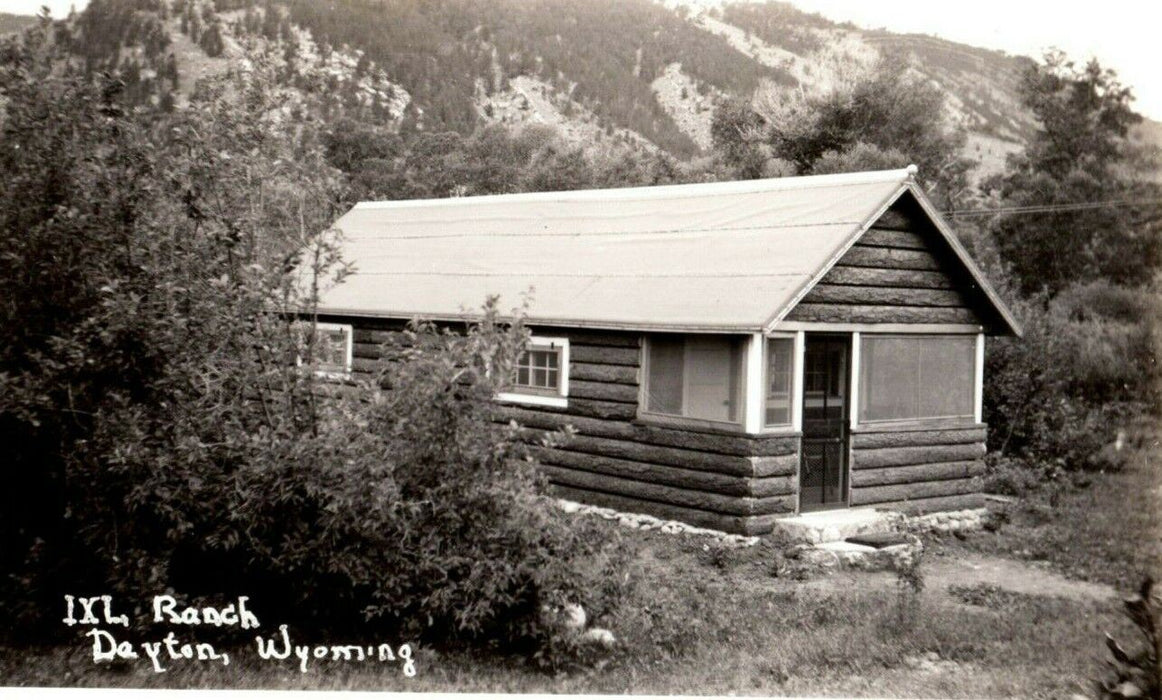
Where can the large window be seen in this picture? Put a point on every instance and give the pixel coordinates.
(541, 375)
(695, 376)
(916, 377)
(779, 382)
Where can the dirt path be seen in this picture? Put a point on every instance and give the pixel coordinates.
(969, 569)
(1012, 575)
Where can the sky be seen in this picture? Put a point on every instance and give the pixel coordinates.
(1121, 34)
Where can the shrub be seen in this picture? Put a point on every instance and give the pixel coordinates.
(1082, 371)
(1137, 674)
(154, 269)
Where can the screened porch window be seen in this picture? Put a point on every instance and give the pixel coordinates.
(698, 377)
(779, 382)
(916, 377)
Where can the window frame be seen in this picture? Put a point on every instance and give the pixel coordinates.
(794, 423)
(972, 417)
(668, 419)
(348, 331)
(539, 396)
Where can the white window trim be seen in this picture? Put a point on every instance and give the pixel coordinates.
(978, 389)
(349, 333)
(853, 394)
(755, 395)
(800, 364)
(561, 400)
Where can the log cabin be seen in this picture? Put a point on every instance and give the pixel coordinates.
(729, 353)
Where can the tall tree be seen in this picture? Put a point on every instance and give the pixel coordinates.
(883, 115)
(1091, 182)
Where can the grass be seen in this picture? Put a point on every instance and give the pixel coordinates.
(707, 619)
(715, 622)
(1102, 527)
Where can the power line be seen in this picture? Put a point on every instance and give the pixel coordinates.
(1053, 208)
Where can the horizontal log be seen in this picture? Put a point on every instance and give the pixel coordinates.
(586, 337)
(853, 313)
(739, 524)
(935, 505)
(898, 296)
(637, 452)
(915, 438)
(600, 354)
(367, 364)
(898, 220)
(615, 374)
(721, 443)
(891, 238)
(694, 479)
(625, 393)
(916, 473)
(780, 465)
(689, 498)
(908, 492)
(876, 277)
(601, 409)
(379, 337)
(927, 454)
(890, 258)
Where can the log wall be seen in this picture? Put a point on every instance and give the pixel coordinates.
(733, 482)
(900, 271)
(917, 470)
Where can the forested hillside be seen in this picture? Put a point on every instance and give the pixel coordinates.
(609, 76)
(13, 23)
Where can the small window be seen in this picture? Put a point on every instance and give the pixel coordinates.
(541, 374)
(332, 350)
(779, 382)
(696, 376)
(916, 377)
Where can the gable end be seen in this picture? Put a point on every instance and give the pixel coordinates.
(900, 271)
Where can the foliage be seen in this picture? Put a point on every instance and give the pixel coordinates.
(779, 24)
(1137, 675)
(493, 160)
(163, 432)
(1058, 396)
(604, 54)
(882, 116)
(1081, 153)
(909, 584)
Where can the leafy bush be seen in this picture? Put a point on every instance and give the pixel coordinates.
(1138, 674)
(154, 269)
(1060, 394)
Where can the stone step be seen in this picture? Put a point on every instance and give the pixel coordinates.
(838, 525)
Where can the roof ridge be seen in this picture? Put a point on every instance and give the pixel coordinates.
(655, 192)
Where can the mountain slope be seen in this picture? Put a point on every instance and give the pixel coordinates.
(607, 74)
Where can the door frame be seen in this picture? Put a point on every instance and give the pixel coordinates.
(849, 381)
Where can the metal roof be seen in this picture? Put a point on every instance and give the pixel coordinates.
(727, 256)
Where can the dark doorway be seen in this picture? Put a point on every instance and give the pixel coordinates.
(823, 464)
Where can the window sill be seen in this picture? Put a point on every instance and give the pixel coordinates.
(696, 424)
(533, 399)
(902, 426)
(787, 431)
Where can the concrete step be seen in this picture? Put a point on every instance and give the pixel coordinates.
(836, 525)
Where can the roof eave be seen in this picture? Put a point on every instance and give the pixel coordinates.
(945, 230)
(471, 317)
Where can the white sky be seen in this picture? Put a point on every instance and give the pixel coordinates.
(1122, 34)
